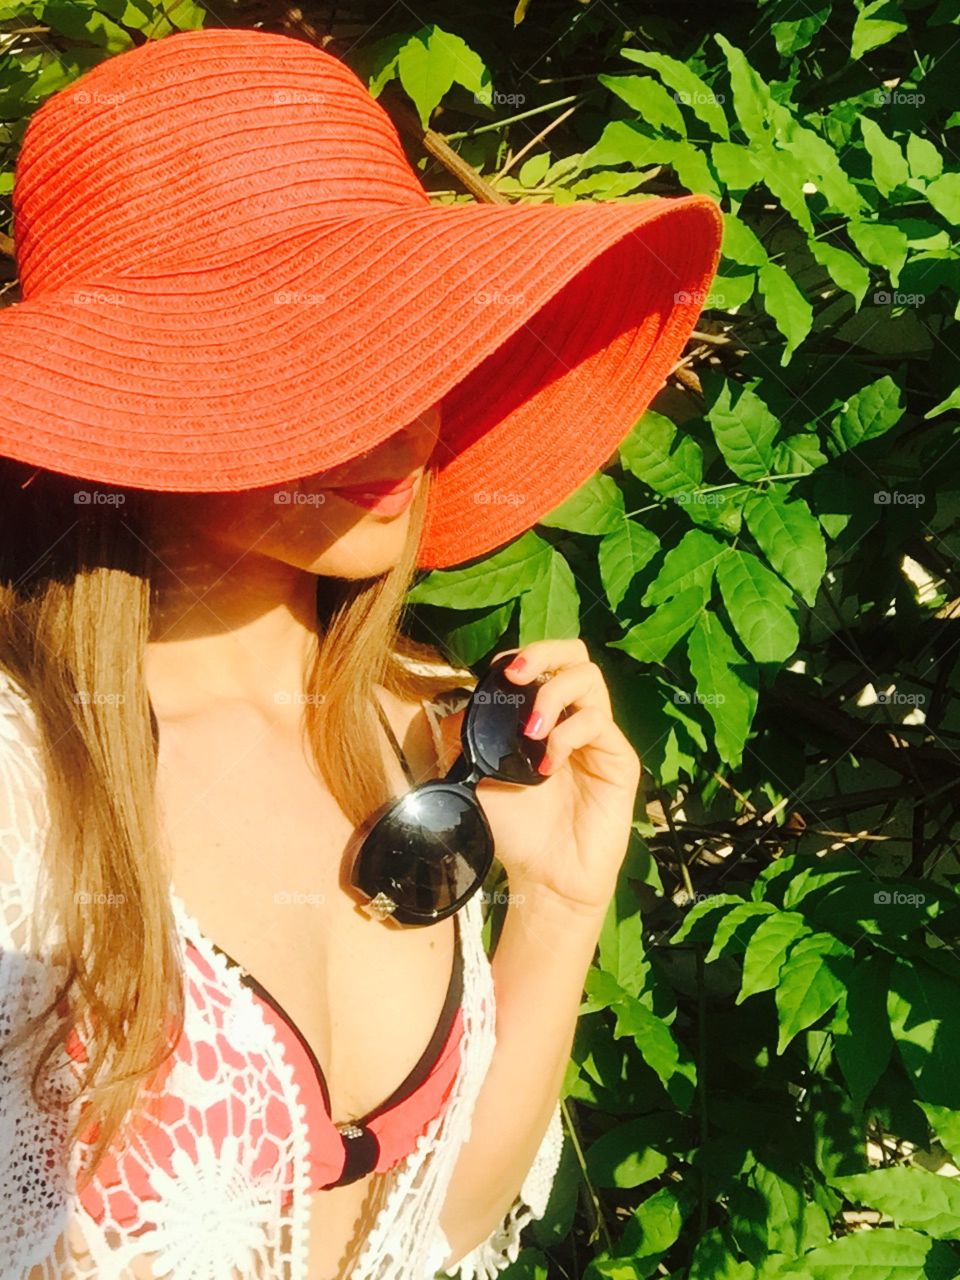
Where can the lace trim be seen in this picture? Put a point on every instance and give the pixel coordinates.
(405, 1242)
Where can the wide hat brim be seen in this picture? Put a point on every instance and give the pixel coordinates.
(545, 330)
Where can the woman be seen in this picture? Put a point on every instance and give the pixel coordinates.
(216, 1061)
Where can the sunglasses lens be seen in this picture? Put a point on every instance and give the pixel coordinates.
(496, 718)
(429, 851)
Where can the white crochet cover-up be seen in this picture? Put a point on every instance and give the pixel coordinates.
(227, 1208)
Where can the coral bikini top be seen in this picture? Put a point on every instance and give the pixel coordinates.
(339, 1153)
(375, 1142)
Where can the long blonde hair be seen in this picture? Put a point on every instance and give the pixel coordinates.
(75, 601)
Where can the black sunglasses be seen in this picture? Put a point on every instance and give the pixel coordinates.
(419, 858)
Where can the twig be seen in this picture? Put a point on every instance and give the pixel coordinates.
(535, 141)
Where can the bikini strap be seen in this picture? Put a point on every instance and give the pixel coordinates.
(404, 764)
(444, 704)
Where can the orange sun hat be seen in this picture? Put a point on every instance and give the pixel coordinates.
(231, 277)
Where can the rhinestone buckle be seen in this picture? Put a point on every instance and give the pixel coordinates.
(350, 1130)
(381, 906)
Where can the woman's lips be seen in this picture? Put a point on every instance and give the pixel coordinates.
(385, 499)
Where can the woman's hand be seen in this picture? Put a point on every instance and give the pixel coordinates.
(566, 837)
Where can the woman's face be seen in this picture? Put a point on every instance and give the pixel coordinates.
(323, 523)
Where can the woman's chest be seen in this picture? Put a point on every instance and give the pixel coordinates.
(255, 845)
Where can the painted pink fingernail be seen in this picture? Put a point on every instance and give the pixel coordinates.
(534, 725)
(517, 665)
(545, 765)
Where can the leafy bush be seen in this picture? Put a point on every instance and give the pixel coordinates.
(763, 1081)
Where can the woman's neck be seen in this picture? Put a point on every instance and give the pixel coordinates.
(227, 627)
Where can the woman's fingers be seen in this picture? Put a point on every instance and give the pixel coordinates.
(591, 729)
(576, 687)
(544, 655)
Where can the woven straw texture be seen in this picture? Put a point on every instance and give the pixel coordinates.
(231, 278)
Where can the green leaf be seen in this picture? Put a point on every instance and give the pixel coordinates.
(877, 24)
(665, 459)
(741, 245)
(790, 310)
(652, 639)
(532, 172)
(658, 1048)
(716, 508)
(650, 99)
(754, 107)
(654, 1227)
(878, 1255)
(869, 413)
(744, 431)
(595, 508)
(623, 553)
(623, 1158)
(790, 537)
(735, 929)
(431, 62)
(882, 245)
(798, 455)
(498, 578)
(924, 159)
(767, 952)
(951, 402)
(888, 163)
(811, 982)
(726, 685)
(946, 1125)
(468, 643)
(944, 194)
(861, 1033)
(688, 88)
(698, 925)
(846, 271)
(911, 1197)
(87, 26)
(760, 607)
(690, 564)
(922, 1006)
(621, 945)
(550, 609)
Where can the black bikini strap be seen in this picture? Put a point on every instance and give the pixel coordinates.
(395, 744)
